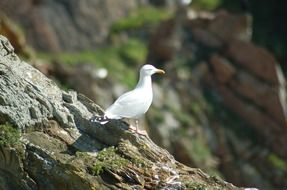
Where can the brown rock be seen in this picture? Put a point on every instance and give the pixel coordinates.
(248, 112)
(206, 38)
(223, 70)
(260, 121)
(263, 95)
(255, 59)
(221, 29)
(228, 26)
(161, 47)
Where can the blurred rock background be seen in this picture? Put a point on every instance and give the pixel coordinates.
(220, 107)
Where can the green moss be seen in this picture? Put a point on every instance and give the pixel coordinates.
(277, 162)
(98, 168)
(8, 135)
(111, 159)
(206, 4)
(138, 162)
(117, 59)
(139, 18)
(82, 154)
(108, 159)
(196, 186)
(133, 51)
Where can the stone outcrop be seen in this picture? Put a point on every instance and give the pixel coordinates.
(60, 148)
(248, 77)
(67, 25)
(252, 84)
(217, 68)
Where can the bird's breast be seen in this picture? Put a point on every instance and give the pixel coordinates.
(147, 96)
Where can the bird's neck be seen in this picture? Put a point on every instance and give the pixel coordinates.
(144, 82)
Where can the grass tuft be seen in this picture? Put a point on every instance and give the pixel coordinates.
(9, 136)
(141, 17)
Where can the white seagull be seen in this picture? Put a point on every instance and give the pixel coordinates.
(135, 103)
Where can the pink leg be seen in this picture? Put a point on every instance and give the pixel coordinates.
(137, 130)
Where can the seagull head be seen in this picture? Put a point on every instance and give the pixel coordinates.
(148, 70)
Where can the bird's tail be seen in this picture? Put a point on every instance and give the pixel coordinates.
(100, 119)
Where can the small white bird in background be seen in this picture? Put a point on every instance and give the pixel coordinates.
(185, 2)
(135, 103)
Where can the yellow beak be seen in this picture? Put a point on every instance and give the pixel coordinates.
(160, 71)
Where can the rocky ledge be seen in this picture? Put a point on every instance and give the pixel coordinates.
(48, 142)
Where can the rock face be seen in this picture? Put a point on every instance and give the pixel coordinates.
(252, 84)
(247, 77)
(232, 89)
(66, 25)
(60, 148)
